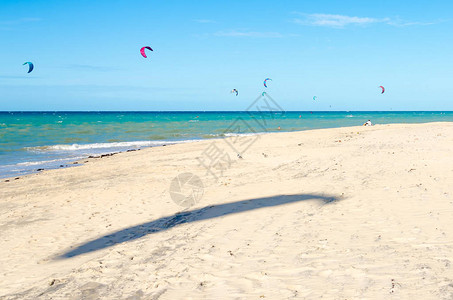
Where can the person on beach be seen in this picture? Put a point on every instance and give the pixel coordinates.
(367, 123)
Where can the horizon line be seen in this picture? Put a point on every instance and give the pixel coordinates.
(204, 111)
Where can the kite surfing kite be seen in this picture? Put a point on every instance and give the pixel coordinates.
(263, 93)
(315, 97)
(235, 91)
(30, 66)
(265, 81)
(142, 50)
(383, 90)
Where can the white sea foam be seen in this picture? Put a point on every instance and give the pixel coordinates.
(115, 145)
(35, 163)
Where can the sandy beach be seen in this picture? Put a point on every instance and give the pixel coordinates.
(345, 213)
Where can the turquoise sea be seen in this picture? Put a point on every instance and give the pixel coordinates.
(43, 140)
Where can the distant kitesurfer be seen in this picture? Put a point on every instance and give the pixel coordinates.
(368, 123)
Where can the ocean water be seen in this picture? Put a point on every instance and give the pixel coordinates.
(43, 140)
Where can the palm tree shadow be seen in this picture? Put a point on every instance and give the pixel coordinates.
(200, 214)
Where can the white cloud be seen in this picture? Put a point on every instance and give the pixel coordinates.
(340, 21)
(20, 21)
(90, 67)
(401, 23)
(11, 24)
(234, 33)
(336, 20)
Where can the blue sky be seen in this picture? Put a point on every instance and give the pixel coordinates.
(86, 54)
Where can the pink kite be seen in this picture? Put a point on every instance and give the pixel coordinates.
(142, 51)
(383, 90)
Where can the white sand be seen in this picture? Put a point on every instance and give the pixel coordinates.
(388, 233)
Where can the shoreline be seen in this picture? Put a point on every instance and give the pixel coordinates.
(72, 136)
(80, 162)
(69, 134)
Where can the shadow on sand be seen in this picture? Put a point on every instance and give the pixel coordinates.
(200, 214)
